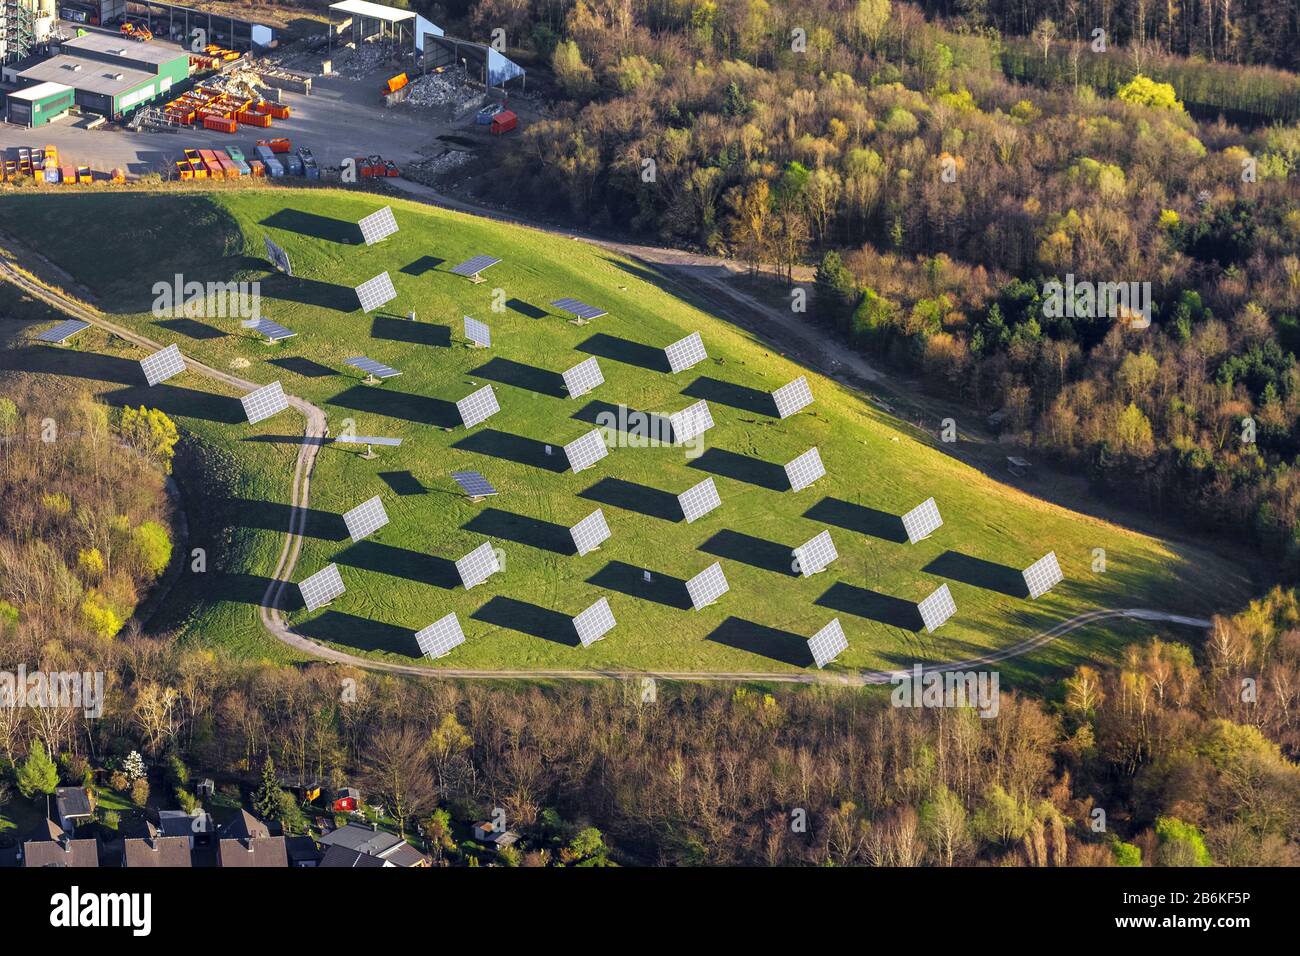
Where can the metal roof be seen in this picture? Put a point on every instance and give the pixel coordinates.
(155, 52)
(94, 76)
(373, 11)
(40, 91)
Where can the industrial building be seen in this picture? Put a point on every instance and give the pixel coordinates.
(110, 74)
(40, 104)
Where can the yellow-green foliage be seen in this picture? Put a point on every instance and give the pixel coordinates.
(1144, 91)
(57, 503)
(99, 617)
(152, 433)
(153, 545)
(91, 563)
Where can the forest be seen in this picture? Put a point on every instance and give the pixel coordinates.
(940, 174)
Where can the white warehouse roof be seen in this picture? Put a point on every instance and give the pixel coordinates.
(373, 11)
(40, 91)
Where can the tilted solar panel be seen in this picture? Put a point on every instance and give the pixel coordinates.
(937, 608)
(1043, 575)
(479, 565)
(816, 554)
(440, 637)
(264, 402)
(365, 519)
(478, 406)
(805, 470)
(707, 586)
(583, 377)
(589, 533)
(792, 397)
(922, 521)
(686, 352)
(699, 500)
(376, 292)
(691, 421)
(378, 226)
(322, 587)
(586, 451)
(473, 484)
(594, 623)
(828, 643)
(162, 365)
(58, 334)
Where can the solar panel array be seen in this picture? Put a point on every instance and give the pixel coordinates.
(438, 639)
(1043, 575)
(805, 469)
(589, 533)
(365, 519)
(264, 402)
(699, 500)
(378, 226)
(279, 258)
(937, 608)
(322, 587)
(478, 332)
(792, 397)
(375, 292)
(58, 334)
(473, 266)
(162, 365)
(691, 421)
(922, 521)
(707, 586)
(686, 352)
(816, 554)
(473, 484)
(274, 331)
(373, 368)
(594, 623)
(586, 451)
(580, 309)
(479, 565)
(583, 377)
(368, 440)
(478, 406)
(828, 643)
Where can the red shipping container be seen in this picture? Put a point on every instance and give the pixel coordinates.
(68, 174)
(220, 123)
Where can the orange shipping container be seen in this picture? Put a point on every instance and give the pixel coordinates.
(279, 111)
(253, 119)
(68, 174)
(220, 123)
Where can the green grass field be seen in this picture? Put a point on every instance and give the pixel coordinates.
(119, 245)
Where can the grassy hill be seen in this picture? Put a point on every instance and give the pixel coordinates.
(120, 244)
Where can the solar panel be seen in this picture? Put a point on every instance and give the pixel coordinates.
(368, 440)
(322, 587)
(828, 643)
(60, 333)
(937, 608)
(478, 332)
(438, 639)
(583, 377)
(691, 421)
(365, 519)
(478, 406)
(264, 402)
(586, 451)
(473, 484)
(579, 309)
(1043, 575)
(699, 500)
(375, 292)
(805, 469)
(274, 331)
(378, 226)
(815, 554)
(471, 267)
(279, 258)
(479, 565)
(594, 623)
(372, 368)
(922, 521)
(686, 352)
(792, 397)
(590, 532)
(707, 586)
(162, 365)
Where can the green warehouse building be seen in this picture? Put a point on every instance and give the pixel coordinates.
(111, 74)
(37, 105)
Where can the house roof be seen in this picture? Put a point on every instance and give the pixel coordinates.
(50, 846)
(40, 91)
(90, 76)
(341, 856)
(260, 852)
(244, 826)
(405, 855)
(301, 848)
(72, 802)
(362, 838)
(163, 851)
(175, 823)
(93, 42)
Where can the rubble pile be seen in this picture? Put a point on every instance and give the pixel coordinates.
(428, 171)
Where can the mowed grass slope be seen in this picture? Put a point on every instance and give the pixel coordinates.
(403, 578)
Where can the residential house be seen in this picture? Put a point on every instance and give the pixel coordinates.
(341, 856)
(156, 849)
(51, 845)
(495, 838)
(246, 842)
(368, 838)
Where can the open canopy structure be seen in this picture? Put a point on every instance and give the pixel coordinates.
(376, 20)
